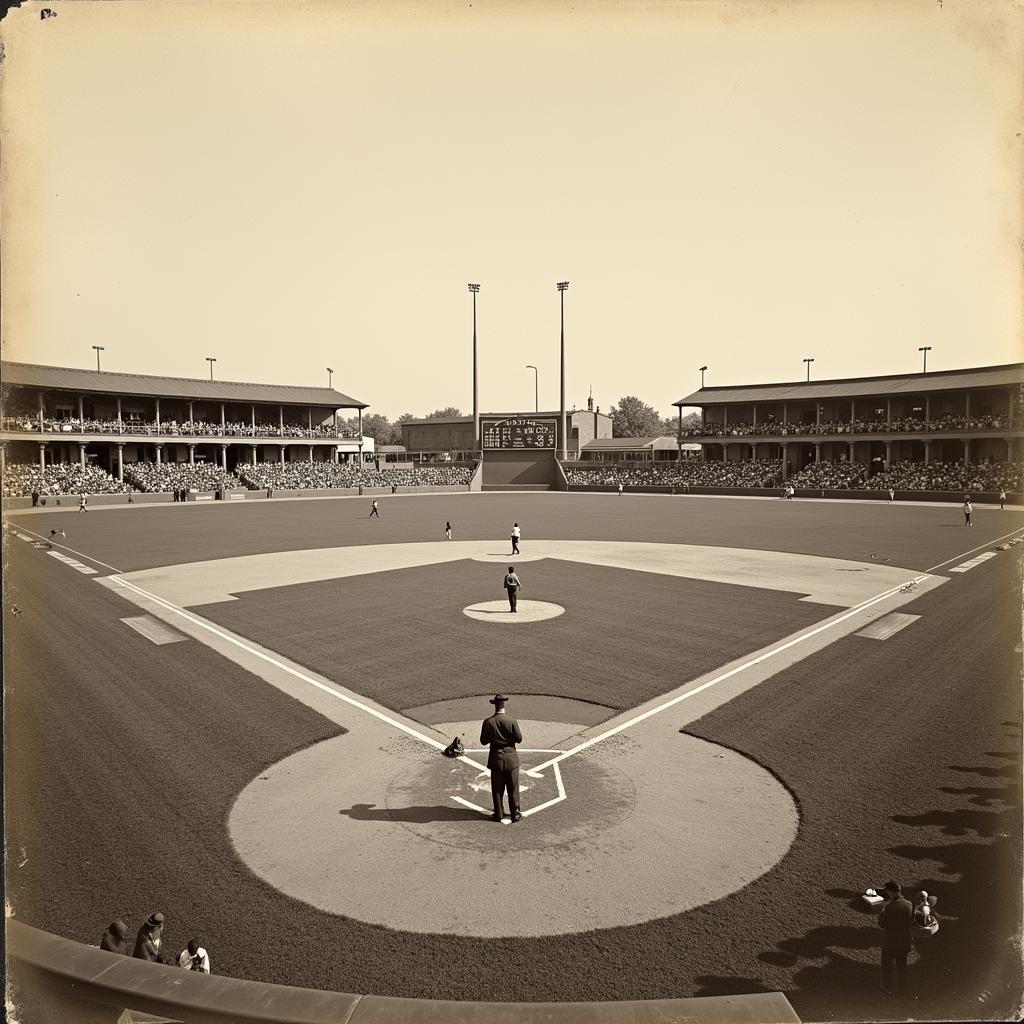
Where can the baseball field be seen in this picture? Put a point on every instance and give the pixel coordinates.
(737, 715)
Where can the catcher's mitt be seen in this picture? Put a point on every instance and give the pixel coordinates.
(454, 749)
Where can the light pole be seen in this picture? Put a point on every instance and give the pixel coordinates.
(536, 406)
(562, 285)
(475, 288)
(808, 362)
(702, 370)
(99, 349)
(925, 349)
(330, 374)
(211, 360)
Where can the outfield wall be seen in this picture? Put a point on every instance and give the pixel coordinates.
(70, 501)
(979, 497)
(56, 979)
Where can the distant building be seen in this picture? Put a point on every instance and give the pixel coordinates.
(455, 436)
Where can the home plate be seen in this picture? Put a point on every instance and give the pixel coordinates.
(528, 611)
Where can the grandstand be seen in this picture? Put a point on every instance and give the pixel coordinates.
(953, 417)
(53, 414)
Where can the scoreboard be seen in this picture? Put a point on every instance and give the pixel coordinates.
(519, 433)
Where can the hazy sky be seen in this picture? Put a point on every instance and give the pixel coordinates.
(290, 186)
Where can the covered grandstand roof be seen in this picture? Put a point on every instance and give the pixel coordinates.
(856, 387)
(63, 378)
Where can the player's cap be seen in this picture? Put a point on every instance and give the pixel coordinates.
(498, 699)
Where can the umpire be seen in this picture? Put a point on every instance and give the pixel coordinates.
(501, 732)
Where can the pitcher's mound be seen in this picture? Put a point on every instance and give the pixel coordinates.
(528, 611)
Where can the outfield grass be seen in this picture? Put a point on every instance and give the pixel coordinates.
(123, 759)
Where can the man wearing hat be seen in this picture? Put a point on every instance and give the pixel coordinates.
(501, 733)
(147, 942)
(896, 918)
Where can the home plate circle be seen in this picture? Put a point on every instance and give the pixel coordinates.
(527, 611)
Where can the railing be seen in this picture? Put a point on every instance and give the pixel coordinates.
(63, 980)
(858, 427)
(187, 430)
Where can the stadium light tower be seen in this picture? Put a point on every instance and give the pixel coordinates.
(475, 288)
(562, 285)
(924, 350)
(808, 362)
(211, 360)
(536, 407)
(702, 370)
(330, 374)
(99, 349)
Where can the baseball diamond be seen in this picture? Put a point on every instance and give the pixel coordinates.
(708, 697)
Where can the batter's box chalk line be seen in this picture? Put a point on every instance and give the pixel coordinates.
(477, 785)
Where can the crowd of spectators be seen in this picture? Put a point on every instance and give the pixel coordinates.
(21, 480)
(838, 475)
(306, 475)
(688, 472)
(950, 476)
(896, 425)
(174, 428)
(176, 476)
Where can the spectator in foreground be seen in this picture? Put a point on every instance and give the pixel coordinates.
(194, 958)
(115, 938)
(147, 942)
(896, 918)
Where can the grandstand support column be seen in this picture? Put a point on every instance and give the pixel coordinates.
(679, 435)
(888, 412)
(853, 411)
(282, 450)
(222, 430)
(309, 413)
(280, 418)
(853, 451)
(42, 456)
(81, 454)
(1009, 410)
(754, 407)
(223, 450)
(817, 415)
(81, 415)
(725, 416)
(120, 462)
(967, 404)
(254, 455)
(159, 451)
(888, 449)
(120, 422)
(40, 412)
(967, 451)
(361, 437)
(562, 285)
(3, 459)
(817, 451)
(785, 457)
(158, 420)
(927, 409)
(927, 452)
(191, 418)
(191, 454)
(310, 453)
(254, 419)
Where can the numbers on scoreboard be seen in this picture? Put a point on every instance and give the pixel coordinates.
(519, 433)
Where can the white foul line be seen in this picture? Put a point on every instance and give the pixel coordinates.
(969, 551)
(203, 624)
(733, 671)
(66, 548)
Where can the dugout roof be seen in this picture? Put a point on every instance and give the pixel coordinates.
(861, 387)
(63, 378)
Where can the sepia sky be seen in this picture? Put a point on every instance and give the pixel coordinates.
(294, 186)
